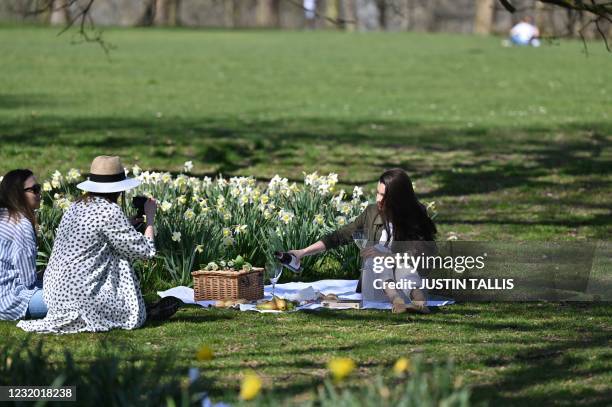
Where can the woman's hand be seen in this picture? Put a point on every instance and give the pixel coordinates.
(297, 253)
(372, 252)
(136, 221)
(150, 208)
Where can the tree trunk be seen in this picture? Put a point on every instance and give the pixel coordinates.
(382, 13)
(483, 20)
(332, 11)
(349, 15)
(404, 7)
(160, 15)
(229, 13)
(60, 15)
(267, 13)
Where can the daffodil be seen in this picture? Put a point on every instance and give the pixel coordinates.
(340, 368)
(401, 366)
(188, 166)
(166, 177)
(341, 220)
(136, 170)
(205, 353)
(182, 199)
(73, 175)
(319, 219)
(199, 248)
(47, 186)
(286, 216)
(165, 206)
(176, 236)
(250, 386)
(189, 214)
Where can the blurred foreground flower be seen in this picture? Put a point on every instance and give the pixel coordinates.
(401, 366)
(340, 368)
(250, 386)
(205, 353)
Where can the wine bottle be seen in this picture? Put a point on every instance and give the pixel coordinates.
(289, 260)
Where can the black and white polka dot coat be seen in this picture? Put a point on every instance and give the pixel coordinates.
(89, 284)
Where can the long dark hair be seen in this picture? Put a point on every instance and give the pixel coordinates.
(13, 198)
(401, 207)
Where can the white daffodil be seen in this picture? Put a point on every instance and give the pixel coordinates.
(188, 166)
(166, 206)
(357, 192)
(176, 236)
(311, 179)
(240, 229)
(324, 188)
(345, 208)
(189, 214)
(226, 232)
(181, 199)
(47, 186)
(73, 175)
(227, 241)
(136, 170)
(319, 219)
(341, 220)
(199, 248)
(286, 216)
(220, 201)
(166, 178)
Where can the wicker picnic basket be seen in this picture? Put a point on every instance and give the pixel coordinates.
(228, 284)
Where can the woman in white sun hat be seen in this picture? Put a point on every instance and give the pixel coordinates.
(89, 283)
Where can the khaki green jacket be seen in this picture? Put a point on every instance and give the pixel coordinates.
(371, 222)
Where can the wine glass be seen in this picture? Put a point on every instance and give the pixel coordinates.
(275, 270)
(360, 239)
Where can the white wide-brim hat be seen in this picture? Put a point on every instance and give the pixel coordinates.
(107, 175)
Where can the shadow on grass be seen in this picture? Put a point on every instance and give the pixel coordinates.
(550, 365)
(459, 161)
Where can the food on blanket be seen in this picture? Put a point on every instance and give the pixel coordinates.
(267, 306)
(276, 304)
(328, 297)
(281, 304)
(229, 303)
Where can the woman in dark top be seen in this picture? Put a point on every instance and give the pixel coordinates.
(399, 221)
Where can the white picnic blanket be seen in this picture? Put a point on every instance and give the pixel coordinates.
(344, 289)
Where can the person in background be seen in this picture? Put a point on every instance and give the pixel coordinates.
(397, 221)
(310, 14)
(525, 33)
(21, 294)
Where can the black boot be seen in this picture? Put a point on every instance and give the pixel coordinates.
(163, 309)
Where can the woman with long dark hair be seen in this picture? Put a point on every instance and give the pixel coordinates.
(397, 223)
(20, 289)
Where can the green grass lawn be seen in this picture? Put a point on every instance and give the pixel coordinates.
(512, 144)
